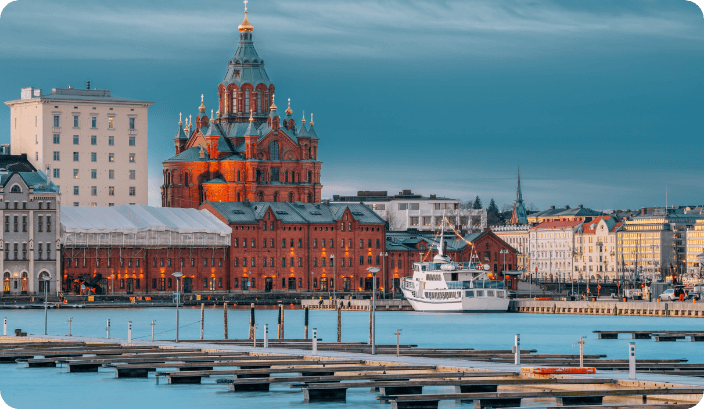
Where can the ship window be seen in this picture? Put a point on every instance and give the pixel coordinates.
(489, 293)
(500, 294)
(480, 293)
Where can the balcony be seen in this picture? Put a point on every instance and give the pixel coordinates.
(132, 132)
(56, 129)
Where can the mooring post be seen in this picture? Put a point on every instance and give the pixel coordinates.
(129, 331)
(254, 334)
(315, 341)
(266, 335)
(581, 352)
(153, 325)
(252, 322)
(339, 323)
(370, 325)
(70, 320)
(4, 326)
(202, 318)
(398, 334)
(107, 328)
(517, 350)
(631, 360)
(283, 321)
(305, 322)
(224, 317)
(278, 332)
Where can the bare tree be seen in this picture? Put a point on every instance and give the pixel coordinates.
(392, 220)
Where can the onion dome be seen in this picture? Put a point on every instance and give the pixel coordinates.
(245, 26)
(288, 110)
(201, 108)
(251, 129)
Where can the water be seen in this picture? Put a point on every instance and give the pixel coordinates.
(52, 387)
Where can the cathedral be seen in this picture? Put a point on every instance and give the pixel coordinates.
(246, 150)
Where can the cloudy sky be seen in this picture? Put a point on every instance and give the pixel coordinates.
(599, 101)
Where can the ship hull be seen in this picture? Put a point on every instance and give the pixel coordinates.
(476, 305)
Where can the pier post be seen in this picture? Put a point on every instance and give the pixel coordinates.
(283, 321)
(252, 322)
(305, 322)
(278, 331)
(129, 331)
(517, 350)
(202, 317)
(254, 334)
(107, 328)
(224, 317)
(631, 360)
(153, 325)
(266, 335)
(339, 323)
(581, 352)
(315, 341)
(70, 321)
(4, 326)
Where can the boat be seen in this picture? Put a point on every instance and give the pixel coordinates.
(443, 285)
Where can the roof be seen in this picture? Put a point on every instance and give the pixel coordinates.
(246, 66)
(566, 211)
(189, 155)
(36, 180)
(75, 94)
(132, 219)
(297, 212)
(611, 223)
(557, 224)
(16, 163)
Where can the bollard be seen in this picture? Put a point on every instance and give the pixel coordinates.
(266, 335)
(70, 320)
(202, 318)
(129, 331)
(315, 341)
(631, 360)
(283, 321)
(252, 322)
(517, 350)
(4, 327)
(278, 333)
(339, 323)
(254, 335)
(305, 322)
(224, 317)
(153, 325)
(398, 334)
(107, 328)
(581, 352)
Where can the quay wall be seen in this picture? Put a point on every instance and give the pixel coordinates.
(660, 309)
(351, 305)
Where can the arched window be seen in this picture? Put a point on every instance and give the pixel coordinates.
(310, 153)
(260, 106)
(235, 105)
(6, 282)
(260, 197)
(276, 196)
(274, 150)
(290, 197)
(238, 176)
(246, 102)
(185, 179)
(286, 177)
(239, 199)
(310, 177)
(16, 189)
(259, 175)
(310, 198)
(43, 276)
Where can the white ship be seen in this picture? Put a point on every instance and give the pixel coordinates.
(447, 286)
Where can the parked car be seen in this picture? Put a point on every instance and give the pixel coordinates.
(668, 295)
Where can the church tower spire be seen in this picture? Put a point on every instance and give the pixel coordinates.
(519, 194)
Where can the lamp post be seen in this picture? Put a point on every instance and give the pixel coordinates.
(373, 270)
(178, 276)
(46, 278)
(332, 260)
(383, 256)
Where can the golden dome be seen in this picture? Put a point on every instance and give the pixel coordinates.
(201, 108)
(304, 117)
(246, 25)
(273, 105)
(288, 110)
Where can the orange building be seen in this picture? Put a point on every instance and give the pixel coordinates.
(246, 150)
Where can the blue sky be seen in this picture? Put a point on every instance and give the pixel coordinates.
(599, 101)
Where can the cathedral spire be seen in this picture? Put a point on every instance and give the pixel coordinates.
(519, 194)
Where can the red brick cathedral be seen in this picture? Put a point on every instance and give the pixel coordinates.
(246, 150)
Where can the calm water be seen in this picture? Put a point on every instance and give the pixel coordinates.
(52, 387)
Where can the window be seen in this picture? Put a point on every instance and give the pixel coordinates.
(133, 141)
(414, 220)
(111, 191)
(111, 123)
(76, 204)
(24, 224)
(274, 152)
(57, 139)
(253, 262)
(94, 122)
(48, 224)
(131, 157)
(402, 206)
(111, 157)
(94, 191)
(133, 191)
(131, 123)
(94, 173)
(315, 243)
(57, 173)
(40, 224)
(75, 139)
(93, 140)
(300, 243)
(111, 141)
(57, 156)
(75, 190)
(361, 260)
(133, 175)
(75, 173)
(413, 206)
(93, 157)
(300, 262)
(57, 123)
(75, 156)
(274, 174)
(361, 243)
(111, 174)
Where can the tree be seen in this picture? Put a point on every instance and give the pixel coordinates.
(532, 208)
(492, 214)
(507, 208)
(477, 203)
(393, 222)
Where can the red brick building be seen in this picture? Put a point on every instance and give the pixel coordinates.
(136, 249)
(407, 247)
(301, 246)
(246, 150)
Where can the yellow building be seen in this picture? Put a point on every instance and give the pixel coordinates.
(517, 236)
(695, 248)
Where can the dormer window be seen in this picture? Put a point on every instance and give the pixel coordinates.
(16, 189)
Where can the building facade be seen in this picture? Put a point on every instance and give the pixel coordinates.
(551, 249)
(695, 249)
(136, 249)
(283, 246)
(29, 238)
(92, 144)
(566, 213)
(407, 210)
(247, 150)
(518, 236)
(595, 248)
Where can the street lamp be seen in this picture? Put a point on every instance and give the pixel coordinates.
(373, 270)
(332, 260)
(178, 276)
(383, 256)
(46, 277)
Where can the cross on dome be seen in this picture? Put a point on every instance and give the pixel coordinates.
(246, 25)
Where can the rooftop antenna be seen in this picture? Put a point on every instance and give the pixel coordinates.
(665, 197)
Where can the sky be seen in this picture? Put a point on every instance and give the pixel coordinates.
(598, 101)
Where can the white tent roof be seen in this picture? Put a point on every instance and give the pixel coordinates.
(132, 219)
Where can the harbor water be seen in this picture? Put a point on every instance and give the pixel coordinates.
(24, 388)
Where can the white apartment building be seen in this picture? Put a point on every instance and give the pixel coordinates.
(551, 247)
(407, 210)
(93, 145)
(595, 248)
(695, 249)
(518, 236)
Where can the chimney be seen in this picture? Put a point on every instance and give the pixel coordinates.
(552, 207)
(581, 206)
(88, 85)
(642, 210)
(48, 175)
(433, 196)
